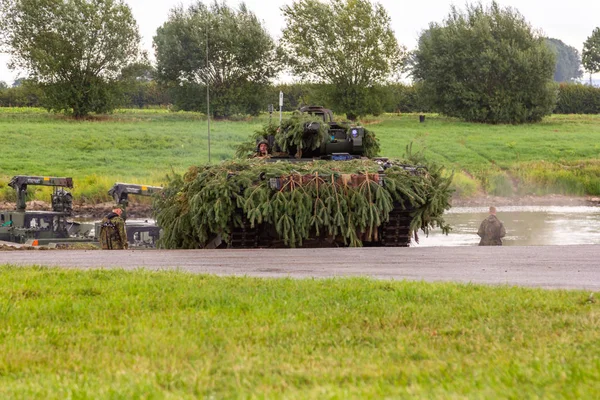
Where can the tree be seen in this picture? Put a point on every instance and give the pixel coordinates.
(347, 44)
(241, 58)
(18, 82)
(26, 94)
(74, 49)
(568, 61)
(486, 65)
(591, 53)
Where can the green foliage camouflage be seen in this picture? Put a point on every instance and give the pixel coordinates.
(291, 135)
(342, 199)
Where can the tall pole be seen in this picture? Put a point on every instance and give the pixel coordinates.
(207, 97)
(280, 106)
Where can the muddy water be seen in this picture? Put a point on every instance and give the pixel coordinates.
(525, 226)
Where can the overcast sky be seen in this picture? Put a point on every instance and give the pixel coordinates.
(571, 21)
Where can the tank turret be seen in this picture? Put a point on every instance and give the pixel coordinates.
(320, 136)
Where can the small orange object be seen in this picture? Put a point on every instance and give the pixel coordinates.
(35, 243)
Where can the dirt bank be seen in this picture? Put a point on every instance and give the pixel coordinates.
(134, 210)
(547, 200)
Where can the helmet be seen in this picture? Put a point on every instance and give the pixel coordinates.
(262, 141)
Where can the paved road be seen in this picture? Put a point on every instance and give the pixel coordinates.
(571, 267)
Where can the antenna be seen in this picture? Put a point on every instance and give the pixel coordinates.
(207, 95)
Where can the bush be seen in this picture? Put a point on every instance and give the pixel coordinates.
(24, 95)
(464, 185)
(578, 99)
(244, 98)
(571, 178)
(147, 94)
(496, 182)
(402, 98)
(486, 65)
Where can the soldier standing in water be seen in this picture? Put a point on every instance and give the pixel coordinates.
(491, 231)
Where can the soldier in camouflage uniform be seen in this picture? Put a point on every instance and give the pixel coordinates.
(262, 149)
(491, 231)
(112, 231)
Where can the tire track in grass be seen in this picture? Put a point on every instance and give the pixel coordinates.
(485, 157)
(513, 180)
(462, 161)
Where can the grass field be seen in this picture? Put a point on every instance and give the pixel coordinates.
(559, 155)
(115, 334)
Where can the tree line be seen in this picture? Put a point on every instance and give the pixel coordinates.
(572, 98)
(481, 63)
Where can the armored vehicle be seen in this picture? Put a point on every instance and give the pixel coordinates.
(323, 138)
(57, 226)
(311, 182)
(43, 227)
(341, 142)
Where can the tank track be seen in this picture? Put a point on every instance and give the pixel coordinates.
(244, 237)
(396, 232)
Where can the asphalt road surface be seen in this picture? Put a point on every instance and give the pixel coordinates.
(568, 267)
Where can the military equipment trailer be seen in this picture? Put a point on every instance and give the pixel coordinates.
(139, 233)
(43, 227)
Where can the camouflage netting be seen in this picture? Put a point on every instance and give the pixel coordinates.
(291, 135)
(343, 199)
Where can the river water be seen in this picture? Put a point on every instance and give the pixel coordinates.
(525, 226)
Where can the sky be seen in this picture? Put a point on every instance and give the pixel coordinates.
(572, 21)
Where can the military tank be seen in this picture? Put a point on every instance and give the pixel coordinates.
(310, 182)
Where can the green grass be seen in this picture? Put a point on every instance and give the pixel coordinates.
(138, 146)
(143, 146)
(116, 334)
(473, 147)
(129, 146)
(506, 159)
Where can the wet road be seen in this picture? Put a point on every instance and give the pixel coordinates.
(570, 267)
